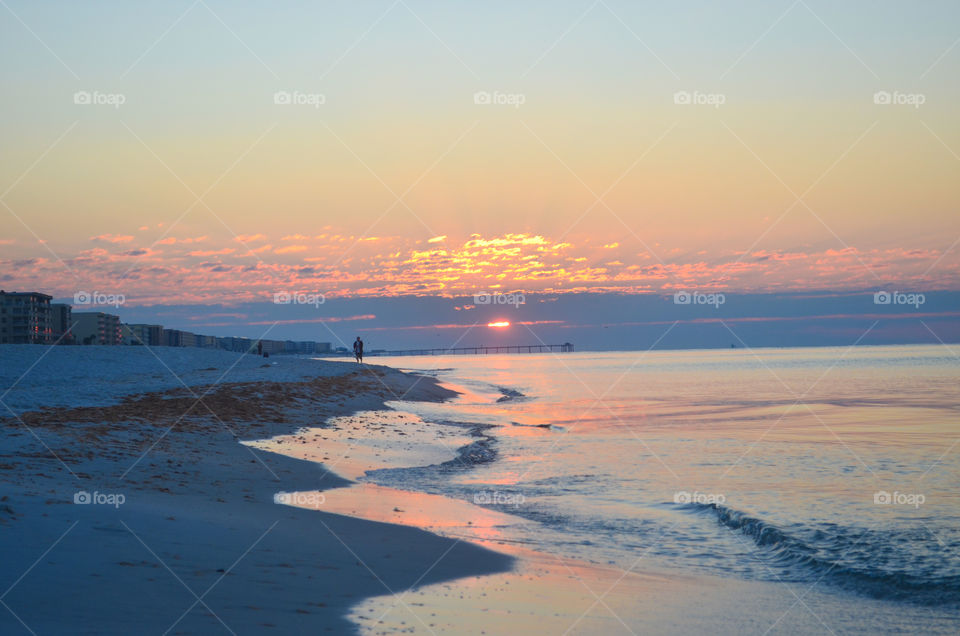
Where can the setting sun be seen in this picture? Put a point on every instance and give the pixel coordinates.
(500, 324)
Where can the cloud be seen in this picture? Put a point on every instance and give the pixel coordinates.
(289, 249)
(294, 321)
(513, 262)
(247, 238)
(205, 253)
(172, 240)
(112, 238)
(437, 239)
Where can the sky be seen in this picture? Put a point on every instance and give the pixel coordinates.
(216, 155)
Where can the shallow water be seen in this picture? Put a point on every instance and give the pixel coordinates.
(770, 465)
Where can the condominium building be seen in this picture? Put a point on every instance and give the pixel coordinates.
(141, 334)
(206, 342)
(61, 320)
(25, 318)
(96, 327)
(178, 338)
(239, 345)
(272, 347)
(308, 347)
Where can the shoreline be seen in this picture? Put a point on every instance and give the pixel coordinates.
(546, 592)
(198, 544)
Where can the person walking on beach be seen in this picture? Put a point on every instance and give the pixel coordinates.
(358, 349)
(259, 348)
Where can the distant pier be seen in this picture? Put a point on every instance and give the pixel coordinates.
(477, 351)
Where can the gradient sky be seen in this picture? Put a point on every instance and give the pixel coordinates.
(200, 189)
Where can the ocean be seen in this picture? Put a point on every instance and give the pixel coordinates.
(837, 467)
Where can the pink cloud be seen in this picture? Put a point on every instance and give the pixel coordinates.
(112, 238)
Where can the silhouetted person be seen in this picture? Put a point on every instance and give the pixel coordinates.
(358, 349)
(259, 348)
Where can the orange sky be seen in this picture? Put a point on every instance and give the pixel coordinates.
(593, 167)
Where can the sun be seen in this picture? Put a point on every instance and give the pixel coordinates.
(500, 324)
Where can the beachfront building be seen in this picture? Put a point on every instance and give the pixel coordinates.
(239, 345)
(273, 347)
(314, 347)
(97, 327)
(143, 334)
(25, 318)
(61, 320)
(206, 342)
(178, 338)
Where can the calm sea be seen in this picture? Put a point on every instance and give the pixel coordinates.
(830, 465)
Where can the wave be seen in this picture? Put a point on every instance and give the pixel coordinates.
(481, 451)
(892, 564)
(432, 478)
(509, 394)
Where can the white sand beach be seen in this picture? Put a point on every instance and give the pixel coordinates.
(197, 544)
